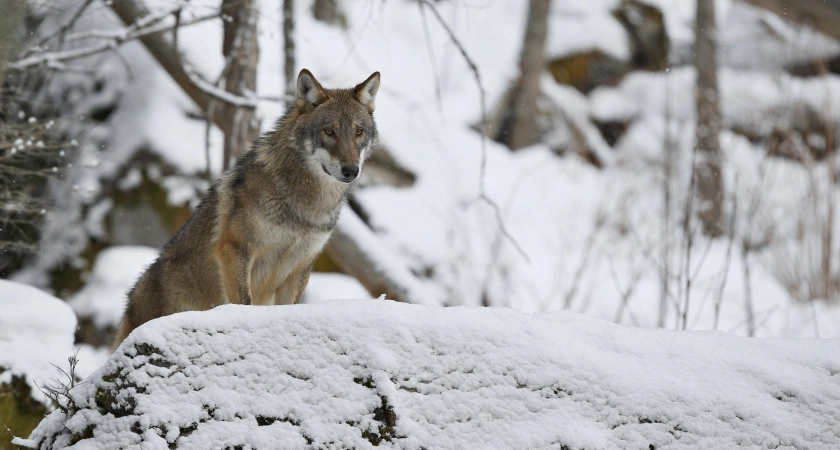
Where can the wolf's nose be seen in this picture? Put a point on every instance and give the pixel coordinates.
(350, 172)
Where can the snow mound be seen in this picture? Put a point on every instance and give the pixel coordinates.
(354, 374)
(36, 331)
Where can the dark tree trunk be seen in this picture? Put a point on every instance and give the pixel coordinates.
(707, 167)
(289, 50)
(11, 31)
(521, 125)
(242, 52)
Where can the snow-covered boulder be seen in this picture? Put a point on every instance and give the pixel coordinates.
(354, 374)
(36, 331)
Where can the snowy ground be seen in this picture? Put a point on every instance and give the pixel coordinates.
(354, 373)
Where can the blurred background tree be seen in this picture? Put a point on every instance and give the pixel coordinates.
(30, 154)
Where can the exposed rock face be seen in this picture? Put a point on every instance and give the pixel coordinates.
(356, 374)
(645, 26)
(648, 42)
(588, 70)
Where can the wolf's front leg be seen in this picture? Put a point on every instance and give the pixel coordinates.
(291, 290)
(234, 265)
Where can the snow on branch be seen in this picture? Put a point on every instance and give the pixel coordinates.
(219, 93)
(144, 26)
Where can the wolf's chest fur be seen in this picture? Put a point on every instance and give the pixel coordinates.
(283, 218)
(281, 256)
(285, 236)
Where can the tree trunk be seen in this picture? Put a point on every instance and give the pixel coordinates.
(521, 126)
(166, 54)
(11, 31)
(242, 52)
(707, 169)
(289, 51)
(164, 51)
(327, 11)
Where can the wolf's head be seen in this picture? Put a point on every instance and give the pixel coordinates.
(336, 126)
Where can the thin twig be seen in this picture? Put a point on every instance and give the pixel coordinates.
(687, 236)
(728, 261)
(667, 180)
(482, 197)
(60, 34)
(627, 292)
(432, 60)
(218, 93)
(584, 264)
(748, 302)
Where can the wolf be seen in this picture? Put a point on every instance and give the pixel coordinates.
(253, 238)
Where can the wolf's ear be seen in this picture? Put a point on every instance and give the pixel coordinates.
(366, 91)
(309, 91)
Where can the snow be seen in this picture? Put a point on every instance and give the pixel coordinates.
(36, 331)
(115, 271)
(348, 373)
(329, 286)
(383, 259)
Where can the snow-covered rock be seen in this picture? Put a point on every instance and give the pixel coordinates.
(353, 374)
(36, 331)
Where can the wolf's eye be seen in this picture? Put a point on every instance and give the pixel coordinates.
(359, 131)
(328, 131)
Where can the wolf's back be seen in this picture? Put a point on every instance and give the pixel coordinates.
(184, 277)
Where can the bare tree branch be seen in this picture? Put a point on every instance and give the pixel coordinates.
(821, 15)
(114, 40)
(166, 54)
(60, 33)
